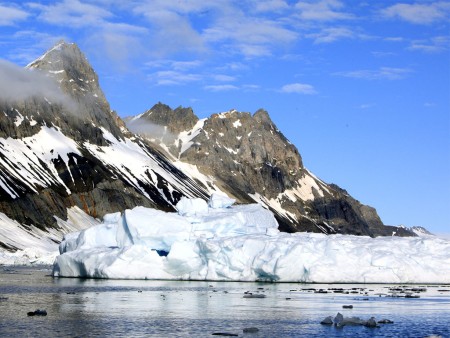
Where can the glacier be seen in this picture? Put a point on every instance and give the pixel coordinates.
(219, 241)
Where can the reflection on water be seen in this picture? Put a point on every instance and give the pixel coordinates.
(119, 308)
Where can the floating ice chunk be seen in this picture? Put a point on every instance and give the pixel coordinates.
(218, 201)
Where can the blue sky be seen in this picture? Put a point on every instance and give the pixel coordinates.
(362, 88)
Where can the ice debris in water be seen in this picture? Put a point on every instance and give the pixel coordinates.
(222, 241)
(340, 321)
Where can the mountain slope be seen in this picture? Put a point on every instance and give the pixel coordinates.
(252, 160)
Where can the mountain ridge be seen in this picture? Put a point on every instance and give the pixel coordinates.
(260, 164)
(71, 150)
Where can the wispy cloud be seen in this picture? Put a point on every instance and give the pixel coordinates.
(380, 54)
(17, 84)
(365, 106)
(419, 13)
(223, 78)
(332, 34)
(171, 77)
(9, 15)
(220, 88)
(72, 12)
(119, 42)
(177, 65)
(298, 88)
(250, 36)
(105, 36)
(172, 30)
(383, 73)
(325, 10)
(173, 72)
(269, 5)
(433, 45)
(30, 45)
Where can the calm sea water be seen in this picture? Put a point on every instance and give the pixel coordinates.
(120, 308)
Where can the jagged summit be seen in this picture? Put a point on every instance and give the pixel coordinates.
(176, 120)
(79, 99)
(69, 66)
(262, 115)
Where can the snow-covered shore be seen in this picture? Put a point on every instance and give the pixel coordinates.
(33, 246)
(242, 243)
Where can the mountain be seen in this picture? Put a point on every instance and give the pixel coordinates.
(250, 159)
(61, 147)
(64, 152)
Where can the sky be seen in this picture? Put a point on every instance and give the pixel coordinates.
(362, 88)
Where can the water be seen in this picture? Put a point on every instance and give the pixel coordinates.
(120, 308)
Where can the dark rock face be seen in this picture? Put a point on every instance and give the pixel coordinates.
(252, 160)
(163, 124)
(176, 120)
(52, 151)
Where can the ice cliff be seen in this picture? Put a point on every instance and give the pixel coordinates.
(221, 241)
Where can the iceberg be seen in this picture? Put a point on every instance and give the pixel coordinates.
(224, 242)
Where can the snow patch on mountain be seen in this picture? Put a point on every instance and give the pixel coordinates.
(135, 164)
(273, 204)
(32, 245)
(187, 136)
(23, 159)
(57, 47)
(192, 171)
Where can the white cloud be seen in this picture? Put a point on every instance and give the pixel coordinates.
(365, 106)
(170, 77)
(384, 73)
(328, 35)
(251, 87)
(172, 30)
(174, 64)
(380, 54)
(419, 13)
(250, 36)
(269, 5)
(72, 13)
(394, 39)
(30, 45)
(325, 10)
(220, 88)
(10, 15)
(114, 41)
(17, 84)
(433, 45)
(118, 47)
(298, 88)
(223, 78)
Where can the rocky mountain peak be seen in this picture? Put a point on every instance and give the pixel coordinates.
(82, 102)
(262, 116)
(176, 120)
(68, 65)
